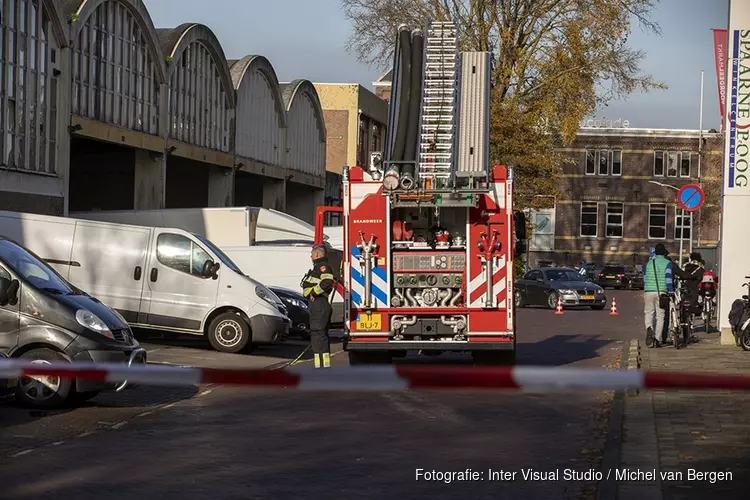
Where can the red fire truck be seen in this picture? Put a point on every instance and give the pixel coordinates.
(429, 229)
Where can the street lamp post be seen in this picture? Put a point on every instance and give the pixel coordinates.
(682, 220)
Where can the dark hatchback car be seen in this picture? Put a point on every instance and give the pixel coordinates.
(543, 287)
(620, 277)
(297, 310)
(43, 318)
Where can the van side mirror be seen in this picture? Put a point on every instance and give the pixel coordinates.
(208, 269)
(215, 270)
(8, 291)
(519, 221)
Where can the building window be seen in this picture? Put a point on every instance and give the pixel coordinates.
(659, 163)
(589, 217)
(685, 164)
(603, 162)
(614, 220)
(590, 162)
(683, 224)
(616, 162)
(657, 221)
(672, 164)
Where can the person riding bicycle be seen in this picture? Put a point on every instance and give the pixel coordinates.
(709, 283)
(691, 277)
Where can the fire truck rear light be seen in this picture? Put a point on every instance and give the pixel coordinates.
(620, 275)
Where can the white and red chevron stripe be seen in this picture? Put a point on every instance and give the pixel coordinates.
(386, 378)
(478, 285)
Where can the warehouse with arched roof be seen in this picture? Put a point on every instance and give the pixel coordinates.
(117, 114)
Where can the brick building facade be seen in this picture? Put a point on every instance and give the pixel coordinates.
(610, 207)
(355, 121)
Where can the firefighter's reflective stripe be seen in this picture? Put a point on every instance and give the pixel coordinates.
(313, 279)
(307, 291)
(317, 360)
(326, 360)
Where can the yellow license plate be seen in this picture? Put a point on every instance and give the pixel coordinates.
(587, 297)
(610, 276)
(369, 322)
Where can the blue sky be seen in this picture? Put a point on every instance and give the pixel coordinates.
(306, 39)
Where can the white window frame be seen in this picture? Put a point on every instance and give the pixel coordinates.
(612, 163)
(687, 154)
(586, 161)
(606, 154)
(608, 224)
(581, 224)
(688, 217)
(663, 163)
(650, 210)
(677, 164)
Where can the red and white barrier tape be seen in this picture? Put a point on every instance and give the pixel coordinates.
(386, 378)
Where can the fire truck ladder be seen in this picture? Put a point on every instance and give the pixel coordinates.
(436, 143)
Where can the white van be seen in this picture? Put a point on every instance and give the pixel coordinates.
(271, 246)
(160, 278)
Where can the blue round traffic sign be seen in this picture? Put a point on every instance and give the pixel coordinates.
(690, 197)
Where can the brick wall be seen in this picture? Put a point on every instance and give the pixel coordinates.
(337, 136)
(634, 191)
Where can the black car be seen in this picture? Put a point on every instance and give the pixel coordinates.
(543, 287)
(297, 310)
(620, 277)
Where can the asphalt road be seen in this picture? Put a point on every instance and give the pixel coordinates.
(219, 442)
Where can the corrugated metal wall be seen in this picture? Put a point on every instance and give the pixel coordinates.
(307, 153)
(114, 76)
(259, 132)
(198, 109)
(28, 88)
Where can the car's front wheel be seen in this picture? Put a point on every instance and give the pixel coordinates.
(229, 333)
(43, 391)
(552, 300)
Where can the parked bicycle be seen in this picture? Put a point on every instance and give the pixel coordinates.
(708, 314)
(680, 316)
(739, 319)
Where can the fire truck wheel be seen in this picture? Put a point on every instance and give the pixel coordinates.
(506, 358)
(369, 358)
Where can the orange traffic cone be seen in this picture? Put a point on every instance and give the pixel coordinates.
(613, 309)
(558, 309)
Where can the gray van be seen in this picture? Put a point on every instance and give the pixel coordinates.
(44, 318)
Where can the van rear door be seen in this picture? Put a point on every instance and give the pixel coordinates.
(177, 294)
(111, 264)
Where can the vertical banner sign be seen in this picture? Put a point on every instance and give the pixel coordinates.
(720, 51)
(739, 111)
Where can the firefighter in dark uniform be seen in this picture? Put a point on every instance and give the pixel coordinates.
(317, 286)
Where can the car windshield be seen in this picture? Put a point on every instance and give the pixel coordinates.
(36, 272)
(563, 275)
(224, 258)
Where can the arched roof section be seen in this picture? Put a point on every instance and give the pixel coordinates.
(304, 87)
(81, 10)
(174, 41)
(248, 64)
(57, 19)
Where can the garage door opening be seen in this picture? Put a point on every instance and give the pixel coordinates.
(248, 190)
(102, 176)
(187, 183)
